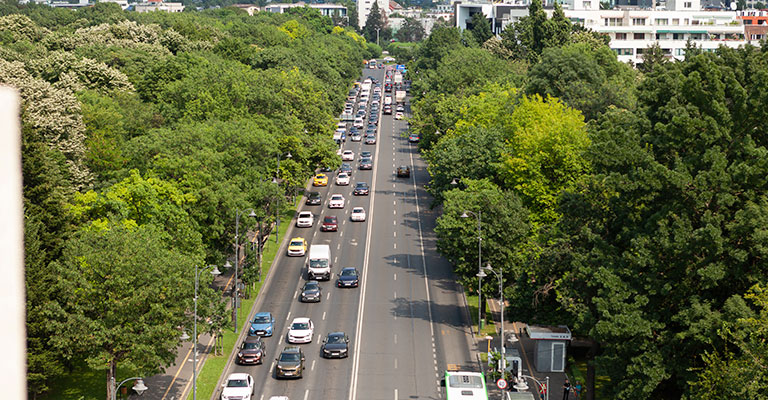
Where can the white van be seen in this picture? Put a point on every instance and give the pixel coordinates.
(319, 262)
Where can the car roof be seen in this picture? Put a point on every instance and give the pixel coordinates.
(336, 195)
(297, 238)
(361, 184)
(238, 375)
(348, 268)
(251, 339)
(305, 212)
(330, 217)
(263, 314)
(292, 349)
(358, 209)
(337, 334)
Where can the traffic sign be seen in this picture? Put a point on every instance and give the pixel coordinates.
(501, 384)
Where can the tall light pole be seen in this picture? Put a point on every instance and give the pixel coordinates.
(521, 386)
(479, 266)
(501, 298)
(215, 273)
(377, 36)
(277, 181)
(236, 289)
(138, 387)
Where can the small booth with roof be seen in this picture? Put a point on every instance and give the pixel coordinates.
(550, 347)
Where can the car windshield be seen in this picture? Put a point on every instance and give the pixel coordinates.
(334, 339)
(305, 215)
(314, 195)
(251, 345)
(465, 382)
(357, 211)
(319, 263)
(263, 319)
(300, 326)
(289, 357)
(329, 220)
(310, 285)
(348, 272)
(361, 185)
(237, 383)
(297, 243)
(337, 197)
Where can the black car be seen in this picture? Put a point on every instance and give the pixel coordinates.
(346, 167)
(349, 277)
(365, 163)
(413, 138)
(336, 345)
(314, 199)
(361, 189)
(290, 363)
(365, 154)
(403, 171)
(311, 292)
(330, 223)
(325, 169)
(251, 351)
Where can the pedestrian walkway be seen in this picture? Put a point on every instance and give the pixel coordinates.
(516, 338)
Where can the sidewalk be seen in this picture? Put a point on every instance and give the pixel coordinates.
(518, 339)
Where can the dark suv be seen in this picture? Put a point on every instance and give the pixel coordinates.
(251, 351)
(403, 171)
(314, 199)
(290, 363)
(361, 189)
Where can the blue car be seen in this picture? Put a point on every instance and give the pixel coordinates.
(263, 324)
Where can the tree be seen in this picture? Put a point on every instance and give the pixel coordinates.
(411, 31)
(374, 24)
(123, 295)
(653, 56)
(440, 42)
(481, 28)
(585, 78)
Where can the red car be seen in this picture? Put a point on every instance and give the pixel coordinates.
(330, 224)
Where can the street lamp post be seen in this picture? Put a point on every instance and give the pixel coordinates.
(377, 36)
(236, 289)
(138, 387)
(501, 298)
(215, 273)
(521, 386)
(479, 266)
(277, 181)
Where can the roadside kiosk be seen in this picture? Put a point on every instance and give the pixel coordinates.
(549, 349)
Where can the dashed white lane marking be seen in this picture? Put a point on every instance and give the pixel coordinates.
(261, 397)
(395, 338)
(395, 294)
(312, 368)
(395, 245)
(323, 318)
(288, 317)
(394, 202)
(280, 341)
(395, 394)
(271, 367)
(394, 233)
(342, 234)
(306, 394)
(395, 276)
(395, 363)
(327, 296)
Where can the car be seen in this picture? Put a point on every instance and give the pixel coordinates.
(320, 180)
(301, 331)
(263, 324)
(413, 137)
(370, 139)
(336, 345)
(348, 277)
(330, 224)
(358, 214)
(314, 199)
(355, 136)
(387, 110)
(311, 292)
(290, 363)
(239, 386)
(365, 163)
(400, 108)
(297, 247)
(251, 351)
(325, 169)
(364, 154)
(342, 179)
(305, 219)
(346, 167)
(336, 201)
(403, 171)
(361, 189)
(399, 115)
(348, 155)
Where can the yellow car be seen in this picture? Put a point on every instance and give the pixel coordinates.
(320, 180)
(297, 247)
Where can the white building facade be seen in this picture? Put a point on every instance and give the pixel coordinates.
(631, 30)
(364, 8)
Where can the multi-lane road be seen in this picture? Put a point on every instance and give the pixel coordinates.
(406, 321)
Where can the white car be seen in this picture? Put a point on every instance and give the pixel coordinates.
(358, 214)
(336, 201)
(399, 115)
(305, 220)
(342, 179)
(302, 331)
(238, 387)
(348, 155)
(400, 108)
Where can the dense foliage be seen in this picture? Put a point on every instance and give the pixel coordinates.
(630, 205)
(142, 134)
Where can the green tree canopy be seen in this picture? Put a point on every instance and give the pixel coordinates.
(411, 31)
(481, 28)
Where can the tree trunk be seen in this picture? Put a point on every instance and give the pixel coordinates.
(590, 383)
(111, 379)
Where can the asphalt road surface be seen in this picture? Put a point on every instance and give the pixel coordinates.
(406, 321)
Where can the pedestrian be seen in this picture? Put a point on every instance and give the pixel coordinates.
(566, 389)
(576, 390)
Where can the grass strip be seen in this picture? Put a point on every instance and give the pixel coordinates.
(214, 365)
(489, 328)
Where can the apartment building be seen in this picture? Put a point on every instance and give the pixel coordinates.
(326, 9)
(631, 29)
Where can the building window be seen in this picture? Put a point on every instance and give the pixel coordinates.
(621, 36)
(639, 36)
(675, 21)
(613, 22)
(587, 4)
(623, 52)
(687, 4)
(678, 36)
(679, 52)
(639, 52)
(638, 21)
(662, 21)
